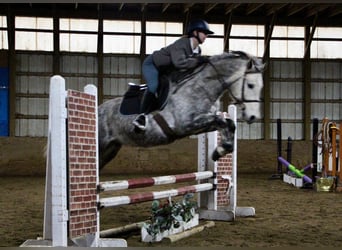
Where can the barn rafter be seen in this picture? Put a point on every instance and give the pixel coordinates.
(330, 14)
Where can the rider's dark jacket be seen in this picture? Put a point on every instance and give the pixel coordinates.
(179, 54)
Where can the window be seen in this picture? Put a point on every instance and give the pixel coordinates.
(121, 37)
(33, 33)
(327, 43)
(161, 34)
(3, 33)
(214, 43)
(78, 35)
(247, 38)
(287, 42)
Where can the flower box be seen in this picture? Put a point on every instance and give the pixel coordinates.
(146, 237)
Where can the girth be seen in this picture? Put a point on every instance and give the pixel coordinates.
(165, 127)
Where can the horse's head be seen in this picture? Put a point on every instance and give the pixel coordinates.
(246, 89)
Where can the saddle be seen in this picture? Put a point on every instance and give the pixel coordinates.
(132, 98)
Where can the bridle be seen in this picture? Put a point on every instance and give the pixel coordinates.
(237, 101)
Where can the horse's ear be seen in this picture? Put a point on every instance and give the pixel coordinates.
(255, 65)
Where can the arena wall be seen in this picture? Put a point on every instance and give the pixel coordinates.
(25, 156)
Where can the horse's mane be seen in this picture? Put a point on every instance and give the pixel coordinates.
(258, 65)
(183, 77)
(231, 54)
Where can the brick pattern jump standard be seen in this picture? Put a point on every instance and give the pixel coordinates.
(82, 163)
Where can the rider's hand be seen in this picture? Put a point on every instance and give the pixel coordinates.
(202, 59)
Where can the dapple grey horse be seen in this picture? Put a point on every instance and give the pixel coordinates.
(191, 107)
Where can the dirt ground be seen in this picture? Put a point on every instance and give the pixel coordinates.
(285, 215)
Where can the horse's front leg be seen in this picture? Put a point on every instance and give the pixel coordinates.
(226, 127)
(227, 140)
(207, 123)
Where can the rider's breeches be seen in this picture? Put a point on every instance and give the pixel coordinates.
(151, 74)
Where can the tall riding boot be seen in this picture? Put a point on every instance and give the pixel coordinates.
(145, 108)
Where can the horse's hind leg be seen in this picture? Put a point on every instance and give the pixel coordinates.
(227, 141)
(108, 153)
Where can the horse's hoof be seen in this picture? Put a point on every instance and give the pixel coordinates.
(215, 156)
(228, 147)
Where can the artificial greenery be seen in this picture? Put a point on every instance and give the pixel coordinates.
(170, 214)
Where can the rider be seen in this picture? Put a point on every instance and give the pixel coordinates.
(183, 54)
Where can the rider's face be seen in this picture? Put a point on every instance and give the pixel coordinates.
(202, 36)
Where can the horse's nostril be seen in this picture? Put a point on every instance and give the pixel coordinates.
(251, 119)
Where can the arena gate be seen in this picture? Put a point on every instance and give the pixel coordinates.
(72, 192)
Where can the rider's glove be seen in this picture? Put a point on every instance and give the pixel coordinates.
(202, 59)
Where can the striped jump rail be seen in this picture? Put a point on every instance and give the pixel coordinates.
(153, 181)
(149, 196)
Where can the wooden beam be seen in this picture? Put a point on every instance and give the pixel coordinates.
(143, 6)
(309, 40)
(335, 10)
(267, 82)
(307, 85)
(295, 8)
(315, 10)
(226, 99)
(56, 43)
(209, 7)
(100, 55)
(165, 7)
(275, 8)
(253, 7)
(186, 21)
(12, 69)
(187, 7)
(143, 41)
(228, 25)
(269, 35)
(230, 7)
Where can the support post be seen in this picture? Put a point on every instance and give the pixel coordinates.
(279, 173)
(56, 209)
(314, 149)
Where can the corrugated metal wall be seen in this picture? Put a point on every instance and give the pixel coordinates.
(117, 73)
(78, 70)
(252, 131)
(286, 93)
(286, 89)
(326, 90)
(32, 88)
(33, 76)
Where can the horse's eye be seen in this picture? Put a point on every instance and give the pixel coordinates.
(250, 85)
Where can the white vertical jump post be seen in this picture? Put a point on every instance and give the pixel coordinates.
(220, 204)
(71, 216)
(56, 197)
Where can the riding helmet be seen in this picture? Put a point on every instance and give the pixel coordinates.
(199, 25)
